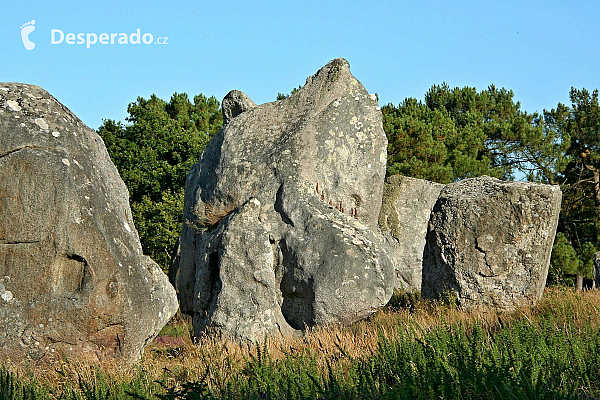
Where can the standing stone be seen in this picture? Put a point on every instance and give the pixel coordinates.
(237, 284)
(281, 210)
(405, 212)
(490, 241)
(73, 279)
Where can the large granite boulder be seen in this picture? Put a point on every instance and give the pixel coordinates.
(404, 217)
(73, 279)
(281, 210)
(489, 242)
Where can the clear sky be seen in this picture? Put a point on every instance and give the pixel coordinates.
(397, 49)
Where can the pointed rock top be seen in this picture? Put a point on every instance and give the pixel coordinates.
(330, 83)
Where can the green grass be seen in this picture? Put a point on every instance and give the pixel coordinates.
(550, 352)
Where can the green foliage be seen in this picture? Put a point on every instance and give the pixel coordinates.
(522, 361)
(13, 388)
(95, 389)
(456, 133)
(154, 154)
(563, 262)
(99, 386)
(188, 391)
(586, 255)
(177, 327)
(405, 299)
(281, 96)
(576, 130)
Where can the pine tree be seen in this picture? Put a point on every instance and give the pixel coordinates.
(457, 133)
(577, 128)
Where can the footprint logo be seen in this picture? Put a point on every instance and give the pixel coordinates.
(26, 29)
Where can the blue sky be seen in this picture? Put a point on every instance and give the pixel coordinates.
(397, 49)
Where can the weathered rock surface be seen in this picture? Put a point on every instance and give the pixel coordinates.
(235, 103)
(74, 281)
(490, 241)
(404, 217)
(280, 213)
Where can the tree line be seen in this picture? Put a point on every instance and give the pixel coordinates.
(452, 134)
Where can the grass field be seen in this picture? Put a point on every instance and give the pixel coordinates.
(414, 350)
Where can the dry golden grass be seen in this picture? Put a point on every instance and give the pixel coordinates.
(184, 360)
(213, 213)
